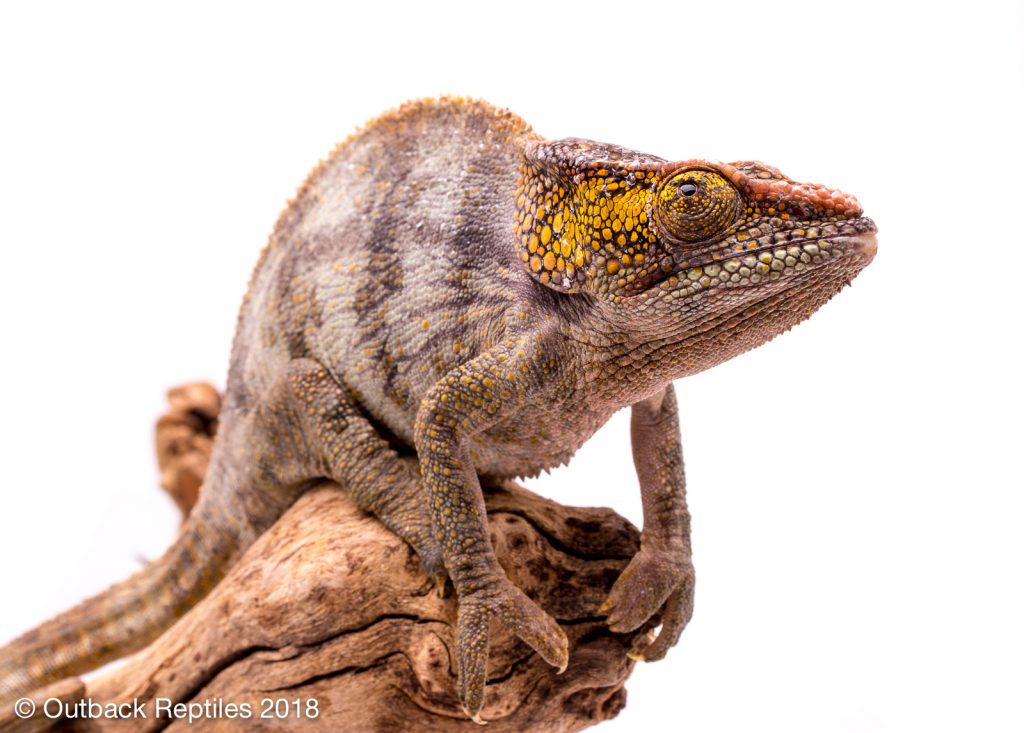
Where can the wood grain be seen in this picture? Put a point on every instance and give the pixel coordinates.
(330, 606)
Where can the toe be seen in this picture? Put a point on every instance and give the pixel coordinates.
(472, 648)
(642, 589)
(531, 624)
(677, 613)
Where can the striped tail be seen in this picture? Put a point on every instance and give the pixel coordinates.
(127, 616)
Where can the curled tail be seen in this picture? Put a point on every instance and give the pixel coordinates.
(127, 616)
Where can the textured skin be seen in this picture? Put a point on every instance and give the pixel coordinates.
(451, 296)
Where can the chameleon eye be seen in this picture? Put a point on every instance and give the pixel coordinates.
(696, 205)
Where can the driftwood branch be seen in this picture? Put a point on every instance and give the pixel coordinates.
(328, 606)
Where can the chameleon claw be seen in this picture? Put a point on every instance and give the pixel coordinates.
(441, 584)
(637, 655)
(477, 719)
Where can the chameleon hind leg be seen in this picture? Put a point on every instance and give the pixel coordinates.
(318, 420)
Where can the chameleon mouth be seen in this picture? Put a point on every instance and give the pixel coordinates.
(809, 254)
(862, 235)
(773, 262)
(804, 259)
(865, 244)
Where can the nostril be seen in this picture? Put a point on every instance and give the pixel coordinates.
(867, 225)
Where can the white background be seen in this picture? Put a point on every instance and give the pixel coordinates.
(855, 484)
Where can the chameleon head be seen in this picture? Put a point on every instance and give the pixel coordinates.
(719, 257)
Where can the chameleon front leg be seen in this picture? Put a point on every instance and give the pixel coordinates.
(660, 576)
(463, 404)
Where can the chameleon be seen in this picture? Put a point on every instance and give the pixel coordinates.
(451, 296)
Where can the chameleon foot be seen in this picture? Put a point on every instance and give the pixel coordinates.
(440, 584)
(511, 607)
(429, 554)
(655, 580)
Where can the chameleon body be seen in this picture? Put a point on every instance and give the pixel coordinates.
(452, 296)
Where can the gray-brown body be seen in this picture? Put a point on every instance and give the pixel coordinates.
(395, 265)
(451, 296)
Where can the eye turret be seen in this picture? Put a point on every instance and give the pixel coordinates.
(696, 205)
